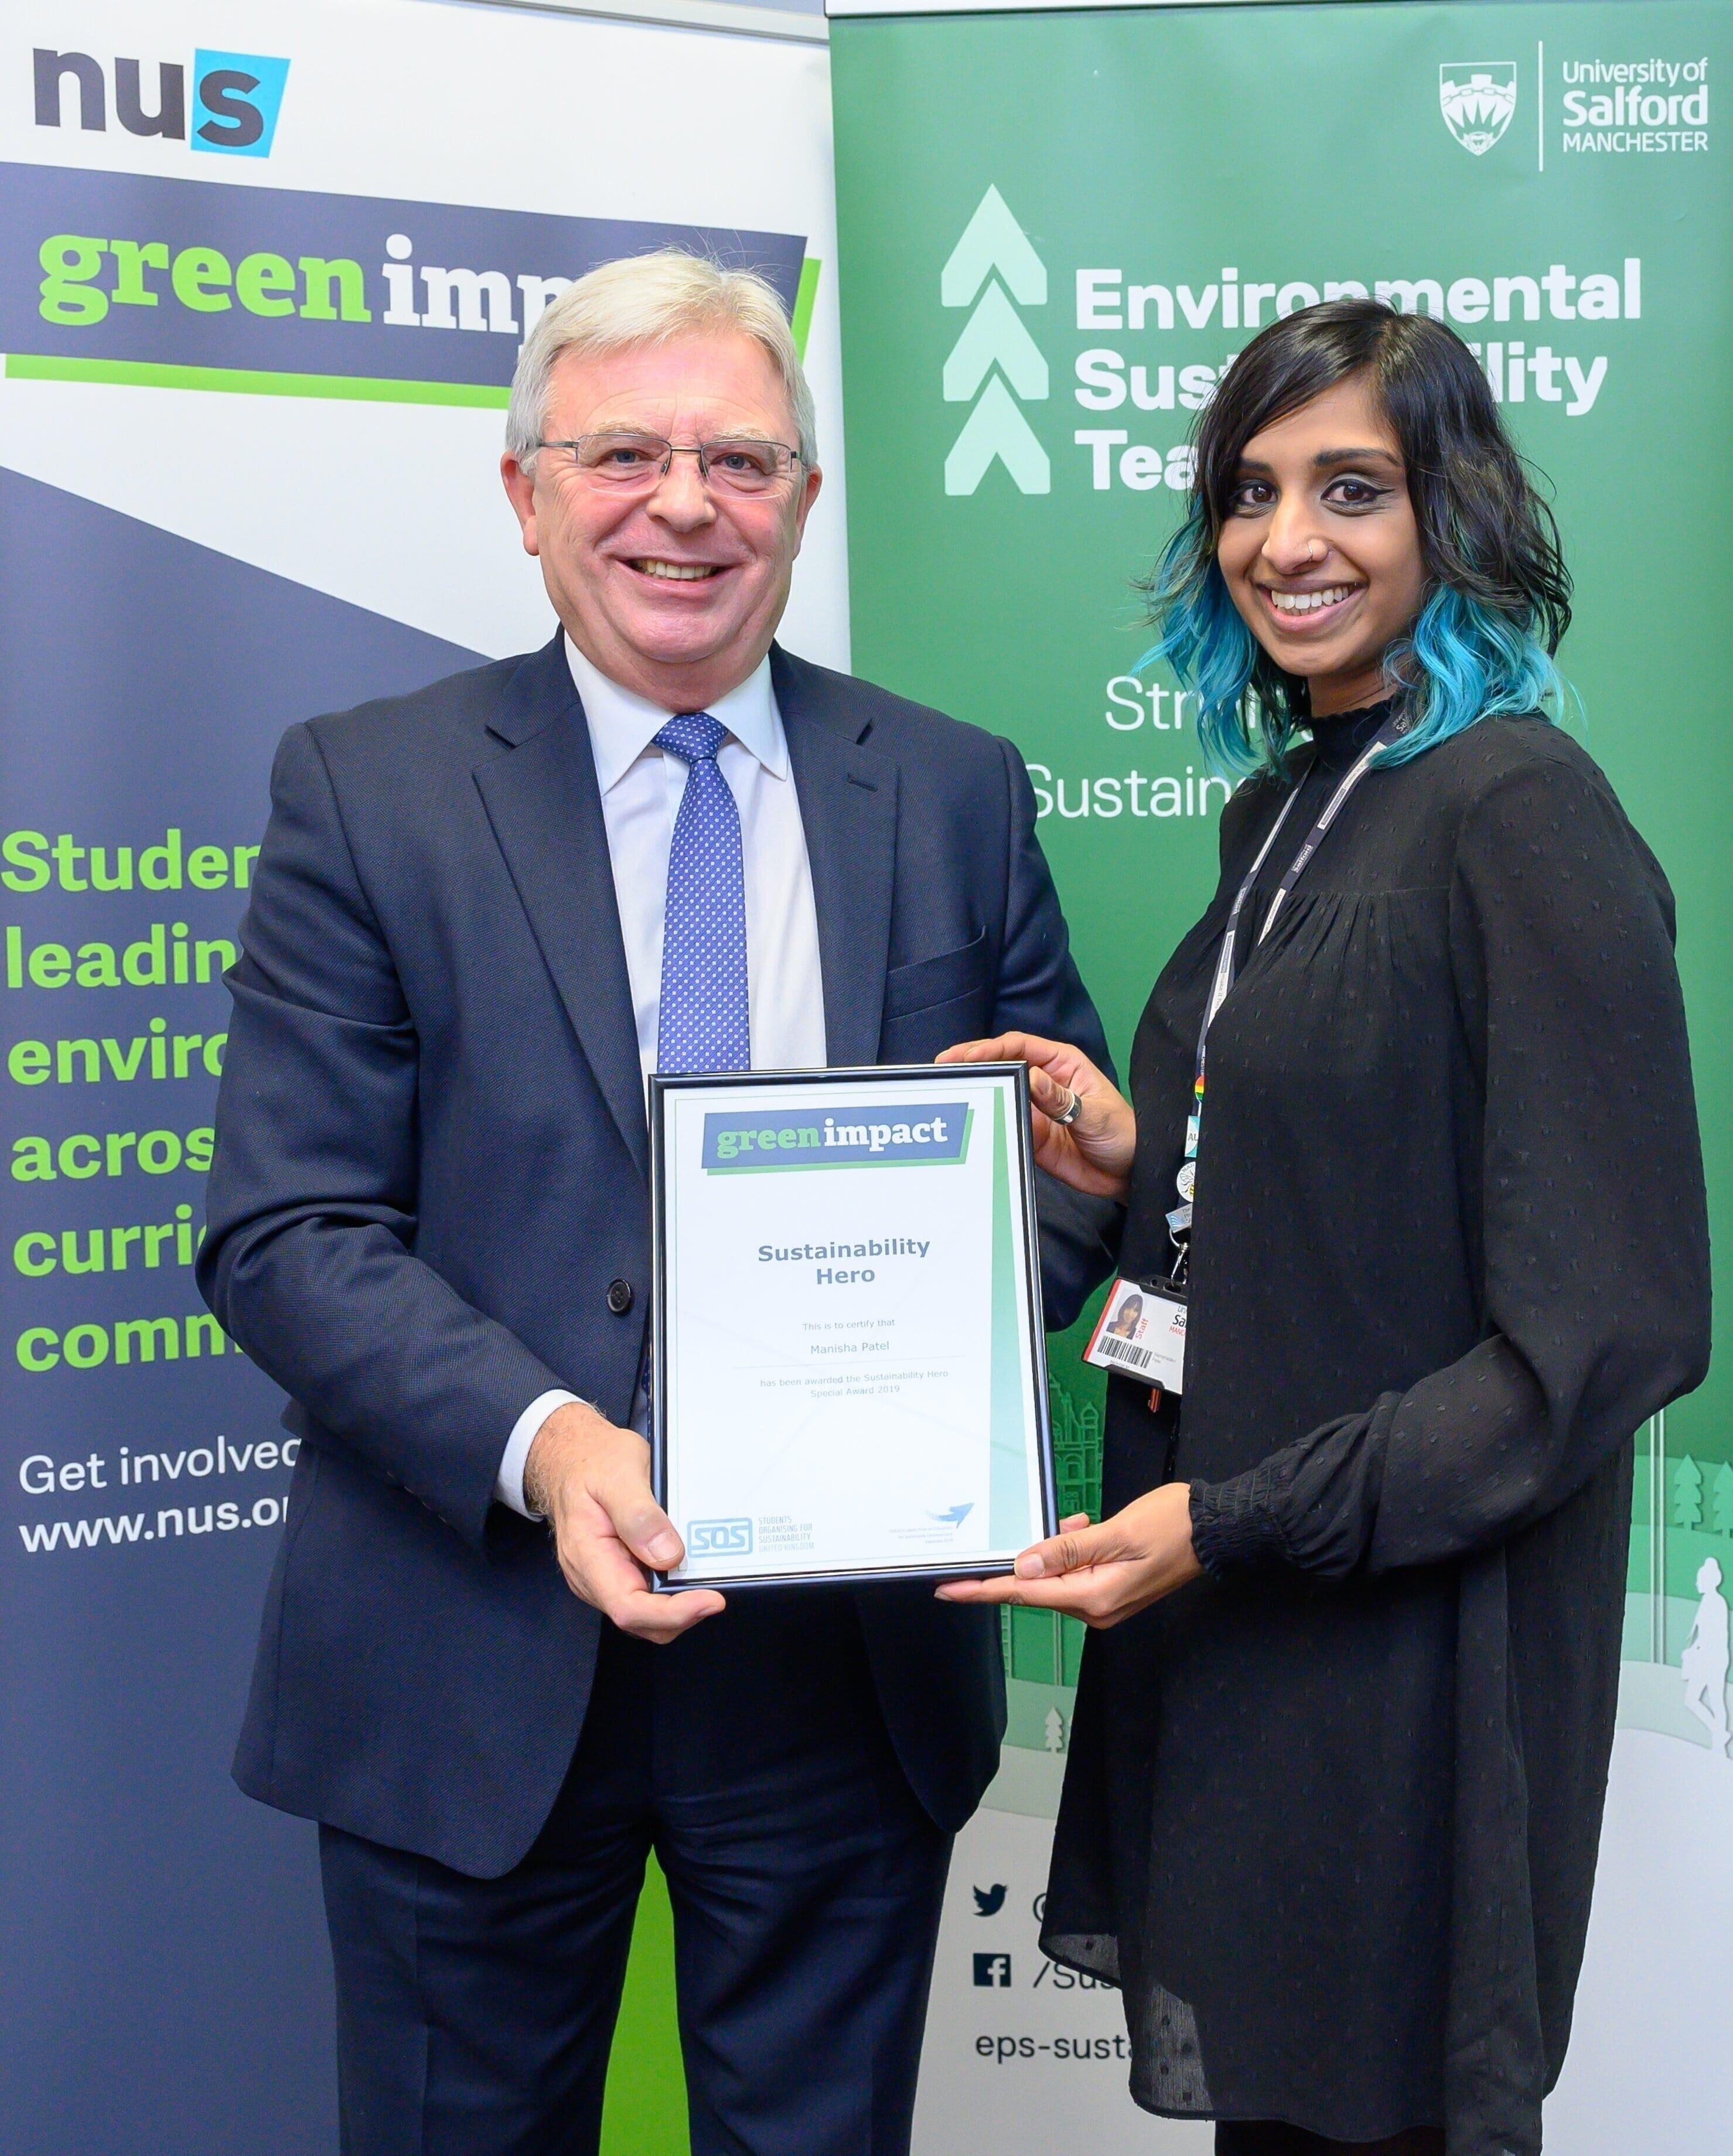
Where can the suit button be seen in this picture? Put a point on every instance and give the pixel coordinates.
(619, 1296)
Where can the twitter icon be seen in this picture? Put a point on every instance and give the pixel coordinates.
(989, 1901)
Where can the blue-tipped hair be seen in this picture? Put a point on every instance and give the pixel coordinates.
(1498, 594)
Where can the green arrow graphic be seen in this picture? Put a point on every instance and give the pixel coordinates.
(996, 428)
(994, 336)
(993, 240)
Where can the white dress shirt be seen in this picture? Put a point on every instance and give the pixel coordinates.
(642, 786)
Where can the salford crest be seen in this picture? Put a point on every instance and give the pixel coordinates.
(1477, 98)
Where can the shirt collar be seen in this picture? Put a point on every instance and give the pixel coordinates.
(623, 724)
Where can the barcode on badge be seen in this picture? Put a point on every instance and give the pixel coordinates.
(1113, 1350)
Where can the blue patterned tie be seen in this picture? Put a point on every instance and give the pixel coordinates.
(705, 1021)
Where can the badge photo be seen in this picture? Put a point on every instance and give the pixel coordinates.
(1141, 1333)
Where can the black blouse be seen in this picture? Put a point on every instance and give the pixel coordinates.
(1331, 1814)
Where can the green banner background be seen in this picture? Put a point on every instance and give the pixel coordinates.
(1290, 144)
(1293, 144)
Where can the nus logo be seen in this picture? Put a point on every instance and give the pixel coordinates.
(236, 98)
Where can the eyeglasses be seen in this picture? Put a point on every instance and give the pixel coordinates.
(632, 463)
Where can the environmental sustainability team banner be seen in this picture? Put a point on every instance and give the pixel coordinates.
(1058, 230)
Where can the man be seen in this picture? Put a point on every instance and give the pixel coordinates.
(482, 913)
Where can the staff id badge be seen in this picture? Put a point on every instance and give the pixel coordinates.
(1142, 1333)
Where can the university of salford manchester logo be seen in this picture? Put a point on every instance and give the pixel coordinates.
(1477, 98)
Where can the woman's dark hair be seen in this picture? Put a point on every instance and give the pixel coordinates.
(1498, 594)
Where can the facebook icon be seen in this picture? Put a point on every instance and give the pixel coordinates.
(993, 1969)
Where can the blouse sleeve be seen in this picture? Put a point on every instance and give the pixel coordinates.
(1595, 1233)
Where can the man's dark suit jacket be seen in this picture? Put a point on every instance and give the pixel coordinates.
(429, 1203)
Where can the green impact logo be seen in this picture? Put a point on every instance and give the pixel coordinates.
(937, 1131)
(996, 349)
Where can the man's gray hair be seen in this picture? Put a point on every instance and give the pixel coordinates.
(652, 299)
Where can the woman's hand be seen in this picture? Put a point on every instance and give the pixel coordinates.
(1094, 1153)
(1101, 1574)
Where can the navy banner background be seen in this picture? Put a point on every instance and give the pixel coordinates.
(164, 1980)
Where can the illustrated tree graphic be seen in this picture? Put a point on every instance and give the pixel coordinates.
(1687, 1493)
(1721, 1499)
(995, 348)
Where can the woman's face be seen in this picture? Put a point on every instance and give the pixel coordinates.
(1319, 547)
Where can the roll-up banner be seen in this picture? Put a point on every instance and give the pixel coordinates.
(1057, 231)
(264, 277)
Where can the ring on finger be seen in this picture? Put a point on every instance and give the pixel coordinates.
(1072, 1110)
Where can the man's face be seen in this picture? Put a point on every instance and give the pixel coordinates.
(673, 589)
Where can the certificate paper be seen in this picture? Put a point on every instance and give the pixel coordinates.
(849, 1376)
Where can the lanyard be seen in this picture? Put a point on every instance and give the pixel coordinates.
(1179, 1221)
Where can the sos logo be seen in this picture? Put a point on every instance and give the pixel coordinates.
(719, 1538)
(236, 98)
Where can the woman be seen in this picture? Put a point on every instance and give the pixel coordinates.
(1331, 1813)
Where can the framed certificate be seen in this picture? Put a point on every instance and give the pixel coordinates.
(850, 1374)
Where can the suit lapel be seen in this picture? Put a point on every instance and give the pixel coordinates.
(848, 794)
(546, 809)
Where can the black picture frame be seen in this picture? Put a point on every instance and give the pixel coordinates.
(662, 1085)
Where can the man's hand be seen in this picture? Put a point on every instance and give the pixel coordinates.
(1101, 1574)
(592, 1482)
